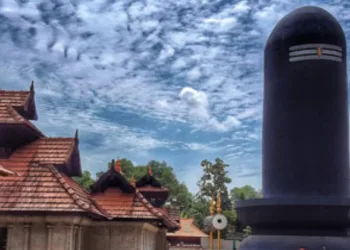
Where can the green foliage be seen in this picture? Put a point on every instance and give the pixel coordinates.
(247, 231)
(214, 180)
(85, 180)
(179, 195)
(199, 210)
(245, 193)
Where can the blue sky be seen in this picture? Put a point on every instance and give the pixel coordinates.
(174, 80)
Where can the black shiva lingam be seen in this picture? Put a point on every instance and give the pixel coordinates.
(305, 139)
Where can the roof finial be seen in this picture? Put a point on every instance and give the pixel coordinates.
(149, 170)
(76, 136)
(32, 87)
(118, 166)
(111, 165)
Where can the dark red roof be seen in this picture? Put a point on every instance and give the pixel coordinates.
(16, 109)
(117, 204)
(117, 198)
(36, 187)
(188, 230)
(46, 151)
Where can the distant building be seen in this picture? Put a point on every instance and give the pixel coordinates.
(188, 237)
(43, 208)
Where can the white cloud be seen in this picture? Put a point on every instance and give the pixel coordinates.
(241, 7)
(198, 110)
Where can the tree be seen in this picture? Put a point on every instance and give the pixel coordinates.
(85, 180)
(179, 195)
(199, 210)
(245, 193)
(214, 181)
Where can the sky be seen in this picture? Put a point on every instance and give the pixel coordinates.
(177, 80)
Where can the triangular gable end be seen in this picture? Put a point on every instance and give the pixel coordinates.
(112, 179)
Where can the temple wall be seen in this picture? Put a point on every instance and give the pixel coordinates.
(112, 237)
(71, 233)
(123, 235)
(38, 236)
(149, 240)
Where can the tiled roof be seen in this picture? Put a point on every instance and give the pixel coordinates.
(188, 229)
(117, 204)
(9, 100)
(46, 151)
(40, 188)
(5, 172)
(14, 98)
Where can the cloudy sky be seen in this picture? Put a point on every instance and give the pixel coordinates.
(173, 80)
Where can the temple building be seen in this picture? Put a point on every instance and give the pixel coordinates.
(189, 237)
(43, 208)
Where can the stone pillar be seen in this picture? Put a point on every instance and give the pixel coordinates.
(26, 242)
(9, 237)
(69, 237)
(110, 235)
(78, 237)
(49, 237)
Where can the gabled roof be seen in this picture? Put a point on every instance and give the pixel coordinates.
(36, 187)
(148, 180)
(111, 179)
(119, 199)
(188, 229)
(55, 151)
(22, 101)
(16, 109)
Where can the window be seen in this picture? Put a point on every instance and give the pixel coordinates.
(3, 238)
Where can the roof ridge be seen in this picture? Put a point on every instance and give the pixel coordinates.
(155, 211)
(69, 190)
(14, 91)
(15, 115)
(54, 138)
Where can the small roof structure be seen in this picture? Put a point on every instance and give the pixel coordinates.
(16, 109)
(188, 230)
(149, 186)
(118, 199)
